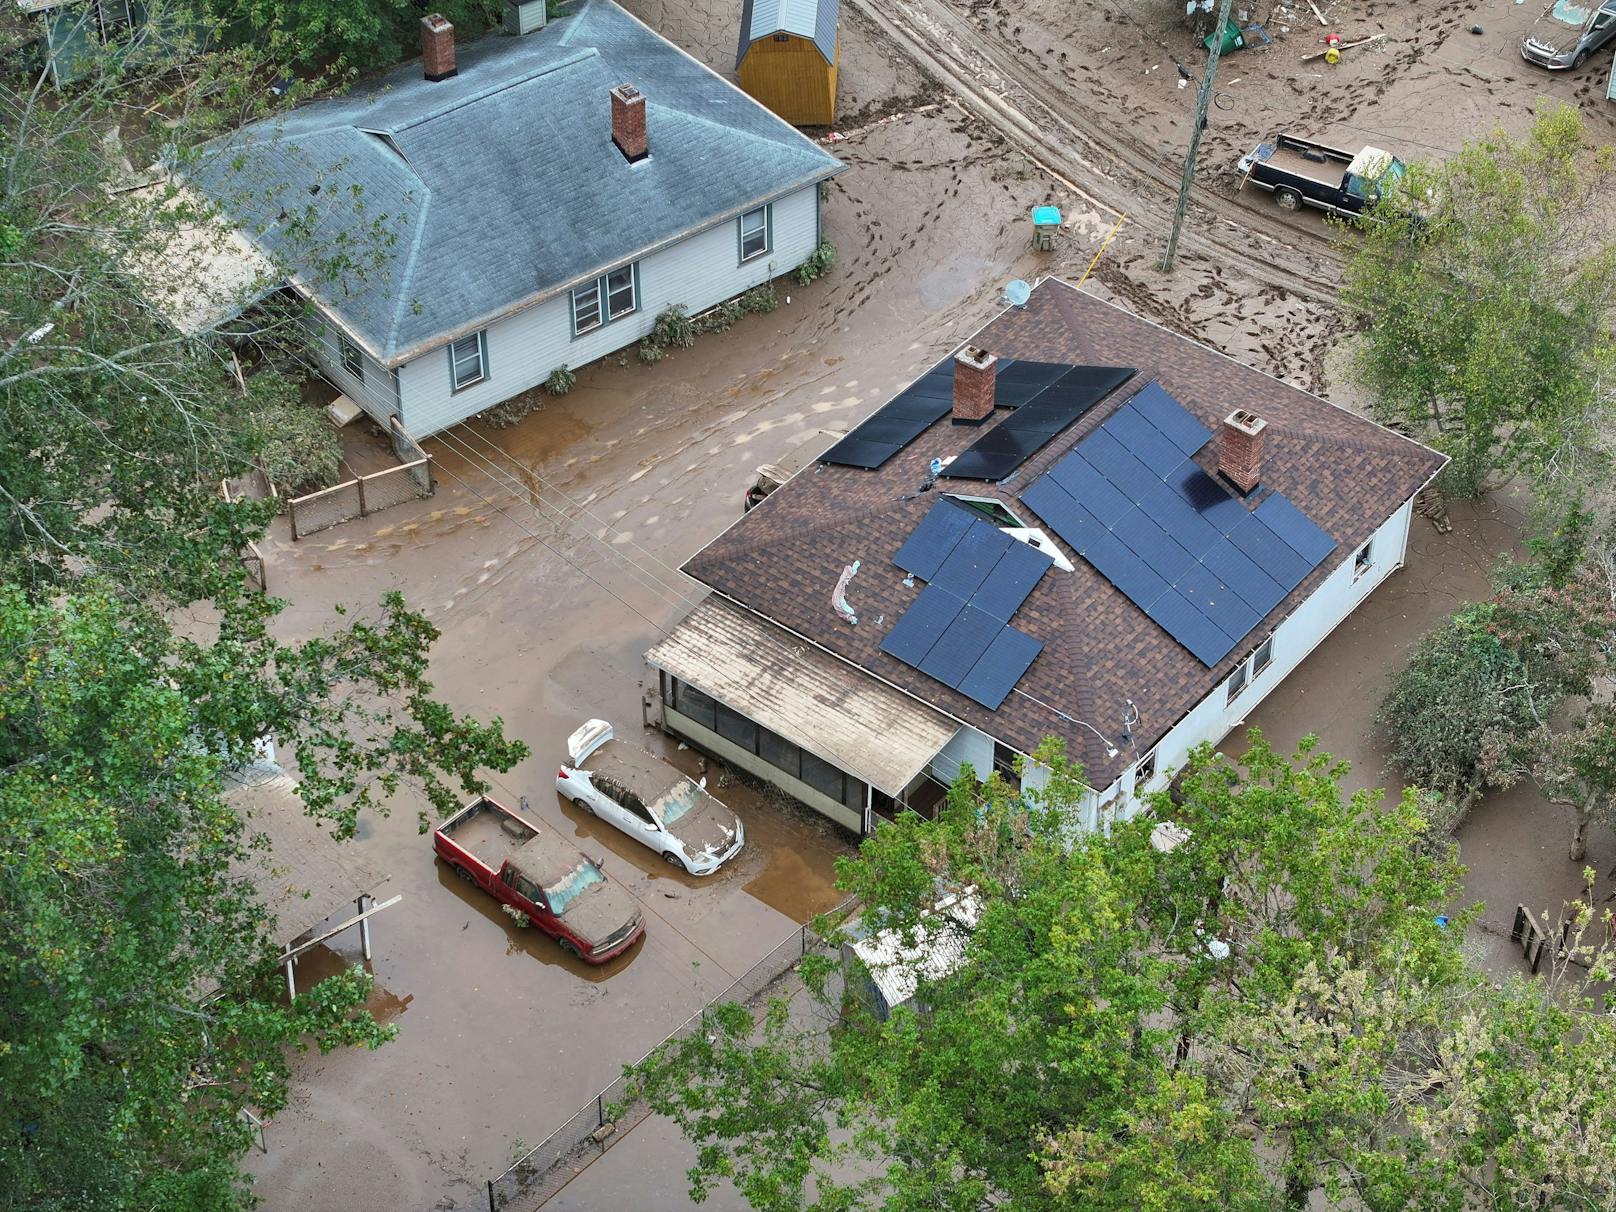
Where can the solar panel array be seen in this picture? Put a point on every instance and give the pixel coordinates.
(958, 630)
(1187, 552)
(897, 423)
(1061, 394)
(1046, 396)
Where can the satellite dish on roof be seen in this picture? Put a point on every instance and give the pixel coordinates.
(1017, 293)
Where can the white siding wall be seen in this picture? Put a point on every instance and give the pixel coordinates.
(523, 349)
(968, 745)
(1214, 717)
(377, 394)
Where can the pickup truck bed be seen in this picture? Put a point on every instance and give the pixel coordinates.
(1288, 158)
(493, 836)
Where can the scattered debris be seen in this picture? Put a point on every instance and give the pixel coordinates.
(1345, 46)
(1316, 12)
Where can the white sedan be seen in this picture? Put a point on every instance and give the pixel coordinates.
(649, 800)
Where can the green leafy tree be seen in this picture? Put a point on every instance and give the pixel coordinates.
(137, 995)
(1491, 675)
(363, 35)
(1485, 292)
(123, 886)
(1130, 1022)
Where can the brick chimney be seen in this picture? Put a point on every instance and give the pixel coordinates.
(1241, 451)
(974, 371)
(628, 123)
(437, 47)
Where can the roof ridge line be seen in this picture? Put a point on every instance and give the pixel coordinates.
(483, 94)
(408, 275)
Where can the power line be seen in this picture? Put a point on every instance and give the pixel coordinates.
(563, 522)
(570, 500)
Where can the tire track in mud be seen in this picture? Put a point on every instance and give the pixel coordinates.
(1112, 171)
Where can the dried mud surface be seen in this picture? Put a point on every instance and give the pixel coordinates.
(548, 556)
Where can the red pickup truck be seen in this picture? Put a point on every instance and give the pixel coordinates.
(529, 867)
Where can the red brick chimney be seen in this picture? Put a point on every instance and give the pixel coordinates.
(974, 371)
(437, 47)
(1241, 451)
(628, 122)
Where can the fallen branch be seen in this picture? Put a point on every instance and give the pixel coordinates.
(1346, 46)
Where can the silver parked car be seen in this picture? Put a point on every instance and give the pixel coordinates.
(649, 800)
(1568, 32)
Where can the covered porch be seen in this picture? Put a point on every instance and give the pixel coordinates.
(825, 732)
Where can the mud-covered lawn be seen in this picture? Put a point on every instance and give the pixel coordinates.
(548, 555)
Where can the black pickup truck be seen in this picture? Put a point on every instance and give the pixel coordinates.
(1300, 172)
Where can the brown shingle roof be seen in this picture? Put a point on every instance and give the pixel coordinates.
(783, 559)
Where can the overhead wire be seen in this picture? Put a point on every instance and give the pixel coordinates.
(505, 479)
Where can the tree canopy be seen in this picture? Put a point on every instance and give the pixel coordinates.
(1484, 291)
(138, 993)
(1266, 1005)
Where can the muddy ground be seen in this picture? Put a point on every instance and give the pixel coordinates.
(547, 556)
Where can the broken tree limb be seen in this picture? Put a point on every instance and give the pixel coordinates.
(1346, 46)
(1316, 12)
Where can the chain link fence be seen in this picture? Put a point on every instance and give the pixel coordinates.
(600, 1123)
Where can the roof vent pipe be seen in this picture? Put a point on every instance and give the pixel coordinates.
(437, 47)
(1240, 453)
(974, 374)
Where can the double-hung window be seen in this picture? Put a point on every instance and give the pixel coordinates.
(586, 307)
(620, 293)
(754, 233)
(468, 360)
(352, 360)
(605, 299)
(1248, 669)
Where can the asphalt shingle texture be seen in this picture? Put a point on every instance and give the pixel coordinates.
(1100, 650)
(490, 188)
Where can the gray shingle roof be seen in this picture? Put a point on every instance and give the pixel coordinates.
(815, 19)
(500, 185)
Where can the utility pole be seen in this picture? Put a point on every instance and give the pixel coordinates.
(1201, 104)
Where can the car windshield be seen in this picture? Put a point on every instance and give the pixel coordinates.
(1567, 13)
(679, 801)
(571, 886)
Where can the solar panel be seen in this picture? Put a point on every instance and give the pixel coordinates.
(1169, 536)
(1171, 418)
(973, 557)
(1296, 528)
(1178, 617)
(997, 671)
(929, 543)
(913, 635)
(1014, 577)
(958, 648)
(897, 423)
(1270, 552)
(1143, 440)
(1047, 398)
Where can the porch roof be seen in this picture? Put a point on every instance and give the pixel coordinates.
(814, 700)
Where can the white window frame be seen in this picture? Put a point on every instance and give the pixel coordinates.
(765, 231)
(1139, 780)
(1239, 679)
(458, 359)
(353, 361)
(1364, 560)
(1263, 657)
(1250, 669)
(609, 292)
(593, 293)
